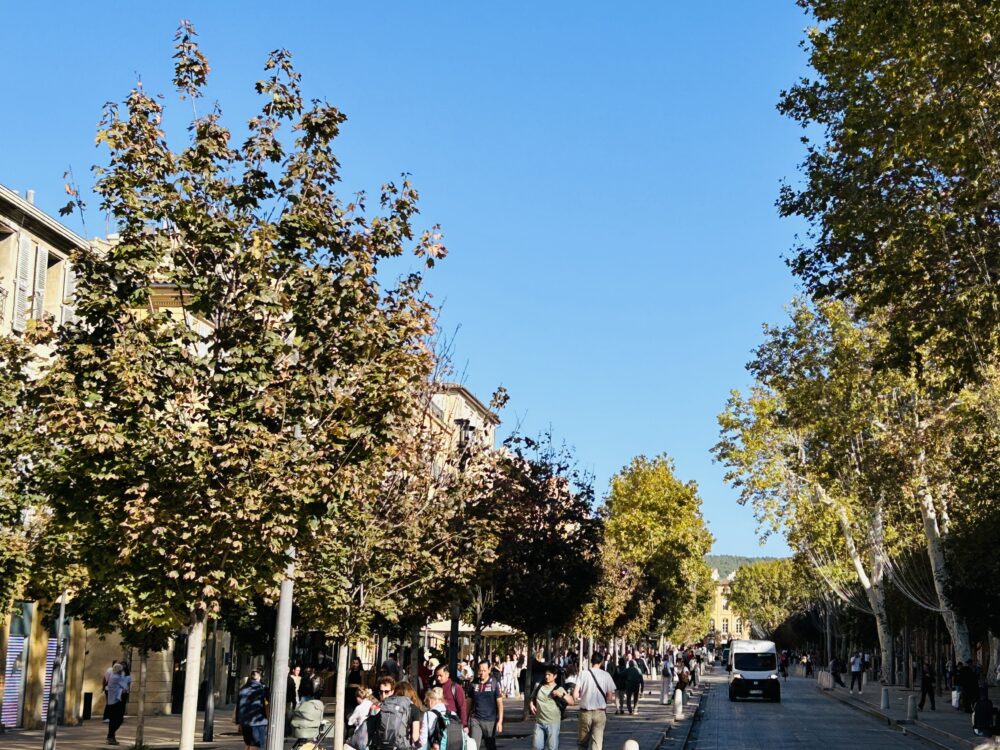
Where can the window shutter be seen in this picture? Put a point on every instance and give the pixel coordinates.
(69, 283)
(22, 285)
(68, 308)
(41, 274)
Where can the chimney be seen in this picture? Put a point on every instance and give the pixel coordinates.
(31, 197)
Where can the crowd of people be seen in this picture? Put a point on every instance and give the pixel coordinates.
(435, 710)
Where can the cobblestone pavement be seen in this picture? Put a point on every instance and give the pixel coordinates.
(804, 719)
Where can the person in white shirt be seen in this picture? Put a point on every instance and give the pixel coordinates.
(594, 689)
(118, 685)
(857, 667)
(667, 679)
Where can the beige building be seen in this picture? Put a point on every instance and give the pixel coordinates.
(725, 624)
(467, 418)
(37, 281)
(36, 278)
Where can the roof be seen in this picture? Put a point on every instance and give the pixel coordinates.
(478, 405)
(37, 221)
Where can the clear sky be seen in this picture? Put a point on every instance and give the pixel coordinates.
(605, 174)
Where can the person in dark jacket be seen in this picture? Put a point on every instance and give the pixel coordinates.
(252, 710)
(926, 684)
(634, 684)
(982, 716)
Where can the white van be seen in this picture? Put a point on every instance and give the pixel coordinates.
(753, 670)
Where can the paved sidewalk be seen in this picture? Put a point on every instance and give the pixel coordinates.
(648, 727)
(652, 726)
(944, 727)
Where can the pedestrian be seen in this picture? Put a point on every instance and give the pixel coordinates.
(634, 684)
(809, 665)
(308, 712)
(692, 666)
(667, 680)
(618, 676)
(294, 689)
(509, 680)
(117, 687)
(857, 673)
(357, 722)
(982, 716)
(105, 718)
(390, 667)
(968, 686)
(357, 678)
(835, 670)
(251, 711)
(926, 684)
(593, 693)
(454, 696)
(405, 690)
(548, 702)
(487, 708)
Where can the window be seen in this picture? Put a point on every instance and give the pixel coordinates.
(739, 627)
(725, 604)
(725, 625)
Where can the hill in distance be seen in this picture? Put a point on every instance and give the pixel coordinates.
(727, 564)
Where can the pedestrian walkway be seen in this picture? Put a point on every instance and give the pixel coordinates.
(161, 732)
(652, 726)
(944, 727)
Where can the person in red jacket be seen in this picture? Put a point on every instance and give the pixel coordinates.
(454, 695)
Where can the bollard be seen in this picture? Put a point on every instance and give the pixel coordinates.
(885, 699)
(911, 708)
(630, 745)
(678, 705)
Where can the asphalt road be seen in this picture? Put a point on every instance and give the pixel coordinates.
(803, 719)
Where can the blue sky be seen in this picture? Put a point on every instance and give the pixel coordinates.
(605, 175)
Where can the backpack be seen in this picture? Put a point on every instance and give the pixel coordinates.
(561, 702)
(389, 728)
(447, 733)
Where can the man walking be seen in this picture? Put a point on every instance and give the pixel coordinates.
(251, 711)
(118, 685)
(545, 707)
(454, 696)
(487, 708)
(857, 673)
(634, 683)
(926, 685)
(593, 691)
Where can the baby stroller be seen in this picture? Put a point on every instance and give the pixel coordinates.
(316, 743)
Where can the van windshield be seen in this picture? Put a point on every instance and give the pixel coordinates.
(754, 662)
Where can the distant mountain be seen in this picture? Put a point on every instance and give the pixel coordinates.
(726, 564)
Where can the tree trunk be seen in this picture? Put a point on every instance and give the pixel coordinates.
(192, 679)
(957, 628)
(993, 676)
(340, 691)
(140, 719)
(208, 728)
(528, 664)
(416, 657)
(874, 585)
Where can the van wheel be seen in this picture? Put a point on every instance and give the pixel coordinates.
(777, 698)
(732, 696)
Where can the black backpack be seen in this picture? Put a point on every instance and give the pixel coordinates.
(447, 733)
(561, 702)
(389, 729)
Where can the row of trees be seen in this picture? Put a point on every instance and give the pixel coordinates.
(871, 431)
(170, 463)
